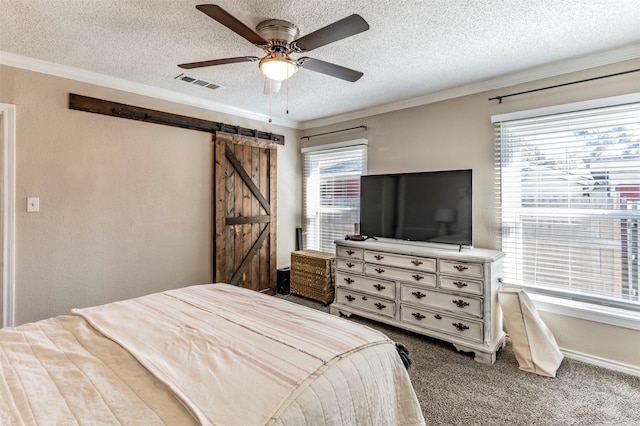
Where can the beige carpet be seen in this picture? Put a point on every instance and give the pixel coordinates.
(453, 389)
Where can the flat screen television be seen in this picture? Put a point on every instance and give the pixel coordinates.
(424, 206)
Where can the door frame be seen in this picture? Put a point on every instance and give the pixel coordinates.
(8, 212)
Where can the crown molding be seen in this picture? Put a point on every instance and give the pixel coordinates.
(553, 69)
(77, 74)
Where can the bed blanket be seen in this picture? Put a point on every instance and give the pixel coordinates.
(61, 371)
(231, 356)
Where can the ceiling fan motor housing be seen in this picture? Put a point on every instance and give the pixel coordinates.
(279, 33)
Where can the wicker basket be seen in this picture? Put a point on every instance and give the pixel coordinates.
(313, 275)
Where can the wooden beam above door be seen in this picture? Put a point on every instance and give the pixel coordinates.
(114, 109)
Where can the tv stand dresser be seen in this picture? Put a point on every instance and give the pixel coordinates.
(448, 294)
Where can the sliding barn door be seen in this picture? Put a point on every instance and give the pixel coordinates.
(244, 249)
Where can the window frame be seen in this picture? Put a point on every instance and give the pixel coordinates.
(552, 301)
(326, 149)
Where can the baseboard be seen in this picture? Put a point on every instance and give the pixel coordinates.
(601, 362)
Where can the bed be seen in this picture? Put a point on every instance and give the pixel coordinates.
(208, 354)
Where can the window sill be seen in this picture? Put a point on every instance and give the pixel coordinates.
(587, 311)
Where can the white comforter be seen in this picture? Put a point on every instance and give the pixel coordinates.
(212, 354)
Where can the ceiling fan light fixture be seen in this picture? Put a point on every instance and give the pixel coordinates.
(278, 66)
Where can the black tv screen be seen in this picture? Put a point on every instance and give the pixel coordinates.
(425, 206)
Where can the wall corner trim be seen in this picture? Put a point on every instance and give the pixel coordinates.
(8, 208)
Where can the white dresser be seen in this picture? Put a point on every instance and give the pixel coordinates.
(439, 292)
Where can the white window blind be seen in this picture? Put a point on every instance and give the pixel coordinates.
(568, 188)
(331, 194)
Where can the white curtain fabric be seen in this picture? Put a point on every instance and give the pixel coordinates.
(533, 343)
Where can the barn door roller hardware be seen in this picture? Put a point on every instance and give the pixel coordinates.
(99, 106)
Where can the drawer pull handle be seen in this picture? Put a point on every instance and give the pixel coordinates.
(378, 257)
(417, 277)
(350, 265)
(365, 298)
(350, 252)
(418, 295)
(461, 268)
(379, 287)
(437, 316)
(460, 303)
(460, 326)
(380, 306)
(350, 298)
(379, 270)
(459, 284)
(418, 316)
(416, 262)
(348, 280)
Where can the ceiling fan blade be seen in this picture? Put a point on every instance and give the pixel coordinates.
(346, 27)
(330, 69)
(271, 86)
(201, 64)
(225, 18)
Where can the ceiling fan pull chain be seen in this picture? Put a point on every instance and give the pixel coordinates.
(270, 95)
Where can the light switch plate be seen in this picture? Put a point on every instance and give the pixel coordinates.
(33, 205)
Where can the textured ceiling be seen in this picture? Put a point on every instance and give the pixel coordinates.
(413, 48)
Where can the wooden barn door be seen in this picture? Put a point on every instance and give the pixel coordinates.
(244, 212)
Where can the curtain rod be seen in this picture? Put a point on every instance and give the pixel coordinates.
(499, 98)
(335, 131)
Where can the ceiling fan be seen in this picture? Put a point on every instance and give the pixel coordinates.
(279, 39)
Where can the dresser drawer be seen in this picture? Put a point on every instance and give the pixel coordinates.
(349, 265)
(461, 268)
(461, 285)
(375, 304)
(349, 252)
(463, 305)
(368, 285)
(413, 262)
(467, 329)
(387, 272)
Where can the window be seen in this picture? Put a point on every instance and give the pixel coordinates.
(331, 192)
(569, 204)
